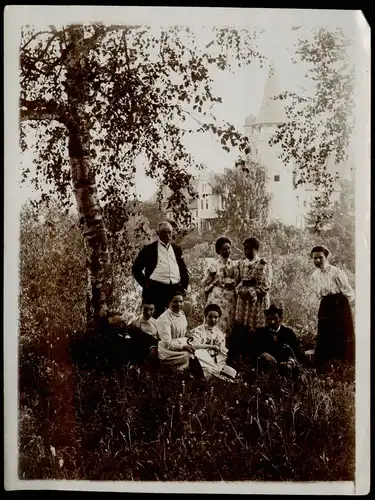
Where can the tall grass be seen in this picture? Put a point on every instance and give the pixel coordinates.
(139, 425)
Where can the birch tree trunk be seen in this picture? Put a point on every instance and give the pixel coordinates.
(83, 177)
(94, 233)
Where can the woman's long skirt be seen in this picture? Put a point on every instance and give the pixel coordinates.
(177, 359)
(210, 366)
(335, 338)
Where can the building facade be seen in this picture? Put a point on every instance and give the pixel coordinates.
(203, 208)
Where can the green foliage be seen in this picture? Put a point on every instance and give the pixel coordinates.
(135, 93)
(53, 284)
(244, 198)
(152, 212)
(52, 273)
(339, 232)
(320, 127)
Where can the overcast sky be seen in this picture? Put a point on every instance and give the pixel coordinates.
(241, 92)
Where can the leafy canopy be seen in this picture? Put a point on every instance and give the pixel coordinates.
(142, 93)
(319, 127)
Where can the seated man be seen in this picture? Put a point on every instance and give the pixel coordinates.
(276, 344)
(136, 342)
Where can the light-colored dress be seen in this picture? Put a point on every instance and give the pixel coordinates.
(172, 328)
(250, 307)
(219, 285)
(212, 362)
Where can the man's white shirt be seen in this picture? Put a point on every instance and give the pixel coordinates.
(166, 270)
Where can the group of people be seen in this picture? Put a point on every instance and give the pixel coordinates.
(241, 327)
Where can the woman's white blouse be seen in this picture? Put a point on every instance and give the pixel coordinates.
(172, 328)
(330, 281)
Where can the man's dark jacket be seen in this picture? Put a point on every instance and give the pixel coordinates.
(147, 259)
(281, 348)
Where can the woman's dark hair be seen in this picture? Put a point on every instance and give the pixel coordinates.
(177, 291)
(320, 248)
(212, 307)
(252, 242)
(220, 242)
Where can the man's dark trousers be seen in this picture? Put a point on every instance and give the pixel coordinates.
(158, 294)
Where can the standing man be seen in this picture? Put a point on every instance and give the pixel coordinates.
(160, 269)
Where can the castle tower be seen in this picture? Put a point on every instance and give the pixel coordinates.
(289, 204)
(285, 202)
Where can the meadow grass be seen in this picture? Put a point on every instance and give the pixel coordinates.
(156, 425)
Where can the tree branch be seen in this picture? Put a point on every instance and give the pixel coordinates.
(35, 36)
(43, 110)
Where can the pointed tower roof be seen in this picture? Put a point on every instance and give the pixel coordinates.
(271, 111)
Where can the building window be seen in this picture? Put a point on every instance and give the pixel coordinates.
(202, 204)
(206, 204)
(305, 203)
(197, 214)
(276, 177)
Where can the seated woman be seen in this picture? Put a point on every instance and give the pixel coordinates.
(276, 344)
(209, 342)
(173, 348)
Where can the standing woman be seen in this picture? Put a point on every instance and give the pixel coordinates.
(335, 338)
(255, 276)
(220, 284)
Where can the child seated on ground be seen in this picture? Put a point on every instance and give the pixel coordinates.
(276, 344)
(209, 343)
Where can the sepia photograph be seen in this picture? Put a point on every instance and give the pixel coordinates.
(186, 258)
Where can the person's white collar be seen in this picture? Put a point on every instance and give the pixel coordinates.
(178, 314)
(325, 269)
(166, 245)
(276, 331)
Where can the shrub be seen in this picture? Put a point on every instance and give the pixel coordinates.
(52, 274)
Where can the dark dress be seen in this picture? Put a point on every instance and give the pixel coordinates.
(335, 339)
